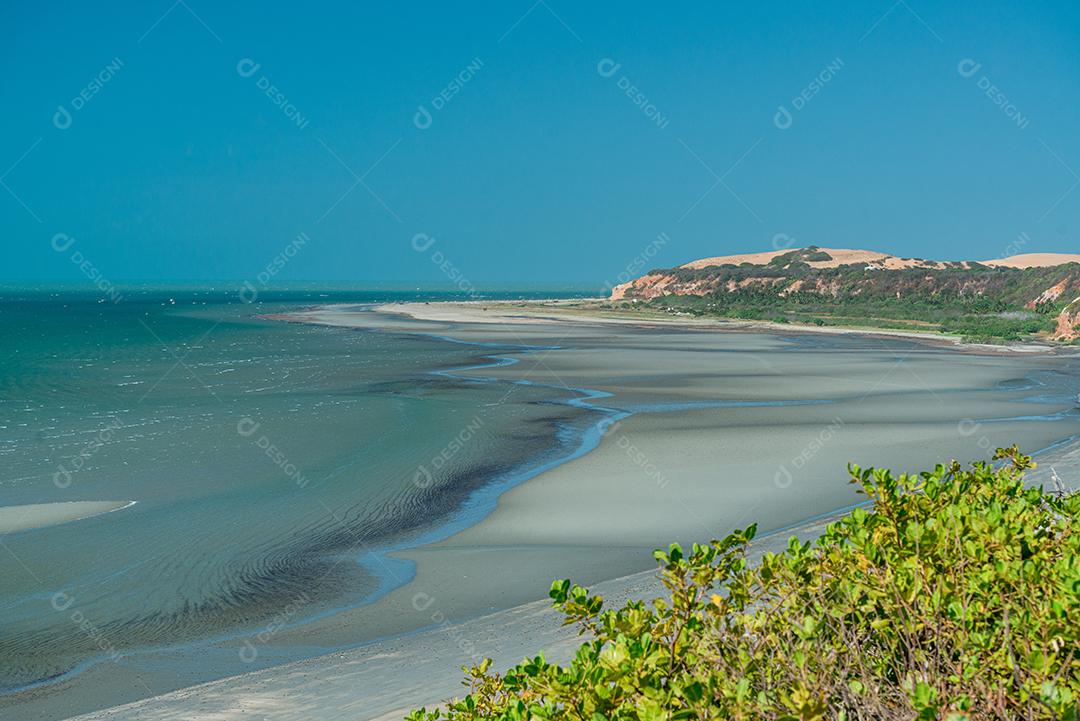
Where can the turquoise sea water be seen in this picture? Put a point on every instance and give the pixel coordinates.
(269, 462)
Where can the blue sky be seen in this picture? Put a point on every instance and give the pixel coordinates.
(196, 140)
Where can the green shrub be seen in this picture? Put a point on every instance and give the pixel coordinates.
(957, 596)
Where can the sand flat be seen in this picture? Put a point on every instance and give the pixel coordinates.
(42, 515)
(691, 463)
(725, 429)
(440, 316)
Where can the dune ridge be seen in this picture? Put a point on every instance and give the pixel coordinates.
(848, 256)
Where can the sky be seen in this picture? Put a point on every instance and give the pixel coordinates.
(527, 140)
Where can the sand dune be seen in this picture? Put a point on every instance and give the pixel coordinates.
(840, 256)
(1034, 260)
(849, 256)
(755, 258)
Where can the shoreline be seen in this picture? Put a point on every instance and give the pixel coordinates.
(377, 561)
(229, 694)
(561, 310)
(367, 683)
(480, 503)
(483, 501)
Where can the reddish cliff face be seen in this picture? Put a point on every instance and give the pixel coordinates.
(819, 271)
(1051, 294)
(675, 282)
(1039, 283)
(655, 285)
(1068, 322)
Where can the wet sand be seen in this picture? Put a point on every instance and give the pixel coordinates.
(384, 680)
(703, 431)
(580, 310)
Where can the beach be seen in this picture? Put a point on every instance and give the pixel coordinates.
(668, 430)
(679, 435)
(589, 310)
(385, 680)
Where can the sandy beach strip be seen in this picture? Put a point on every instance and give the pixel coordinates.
(565, 312)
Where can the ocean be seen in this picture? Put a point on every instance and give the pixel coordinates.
(268, 462)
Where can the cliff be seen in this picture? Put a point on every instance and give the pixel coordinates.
(1044, 286)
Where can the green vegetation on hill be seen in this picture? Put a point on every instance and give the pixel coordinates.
(976, 319)
(977, 302)
(957, 596)
(803, 255)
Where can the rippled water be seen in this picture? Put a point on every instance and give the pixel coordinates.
(269, 462)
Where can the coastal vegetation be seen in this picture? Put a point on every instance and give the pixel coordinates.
(954, 595)
(976, 320)
(976, 301)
